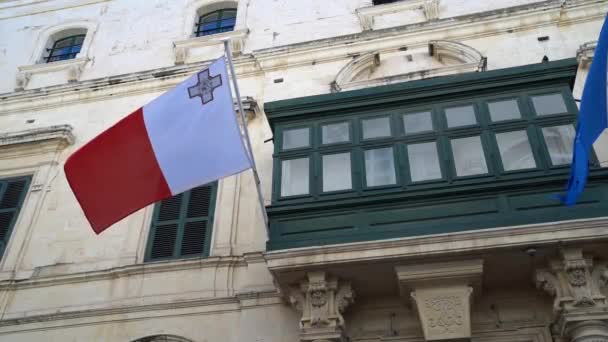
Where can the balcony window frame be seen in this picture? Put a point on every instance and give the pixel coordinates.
(485, 128)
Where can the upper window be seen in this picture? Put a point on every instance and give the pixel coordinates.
(216, 22)
(182, 225)
(433, 145)
(12, 193)
(65, 48)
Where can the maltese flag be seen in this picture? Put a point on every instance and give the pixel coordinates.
(187, 137)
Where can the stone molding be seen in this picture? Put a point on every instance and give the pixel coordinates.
(585, 54)
(469, 59)
(61, 134)
(442, 294)
(183, 47)
(366, 15)
(321, 299)
(465, 54)
(139, 310)
(367, 62)
(13, 9)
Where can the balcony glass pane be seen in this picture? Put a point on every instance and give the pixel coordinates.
(376, 128)
(336, 133)
(336, 172)
(424, 161)
(515, 151)
(380, 167)
(559, 141)
(295, 177)
(460, 116)
(504, 110)
(296, 138)
(417, 122)
(468, 156)
(549, 104)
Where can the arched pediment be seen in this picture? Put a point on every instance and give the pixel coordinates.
(438, 58)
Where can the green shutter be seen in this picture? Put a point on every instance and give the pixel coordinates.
(182, 225)
(12, 193)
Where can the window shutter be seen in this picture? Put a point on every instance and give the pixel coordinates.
(12, 193)
(181, 226)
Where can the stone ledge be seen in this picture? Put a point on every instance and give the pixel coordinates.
(62, 134)
(183, 47)
(45, 276)
(73, 67)
(207, 305)
(366, 15)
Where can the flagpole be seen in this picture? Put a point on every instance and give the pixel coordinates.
(228, 53)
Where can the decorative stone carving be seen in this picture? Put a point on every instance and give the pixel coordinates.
(321, 299)
(442, 293)
(575, 282)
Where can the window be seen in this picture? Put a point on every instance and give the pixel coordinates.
(216, 22)
(434, 145)
(182, 225)
(65, 48)
(12, 194)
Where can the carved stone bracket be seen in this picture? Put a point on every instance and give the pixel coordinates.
(442, 293)
(321, 299)
(575, 282)
(585, 54)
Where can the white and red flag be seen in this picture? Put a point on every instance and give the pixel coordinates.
(187, 137)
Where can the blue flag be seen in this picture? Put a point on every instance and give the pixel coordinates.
(592, 119)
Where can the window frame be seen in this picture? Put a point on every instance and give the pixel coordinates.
(485, 128)
(71, 55)
(17, 210)
(181, 221)
(198, 23)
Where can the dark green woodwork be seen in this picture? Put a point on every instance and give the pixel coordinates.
(450, 204)
(182, 225)
(12, 195)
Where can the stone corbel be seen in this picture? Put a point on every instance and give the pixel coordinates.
(321, 299)
(250, 107)
(22, 79)
(443, 295)
(74, 72)
(576, 284)
(585, 54)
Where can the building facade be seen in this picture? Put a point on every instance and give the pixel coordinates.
(408, 153)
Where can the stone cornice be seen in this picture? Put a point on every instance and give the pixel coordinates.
(44, 277)
(324, 50)
(443, 244)
(205, 305)
(62, 134)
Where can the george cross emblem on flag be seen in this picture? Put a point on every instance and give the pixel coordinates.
(205, 86)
